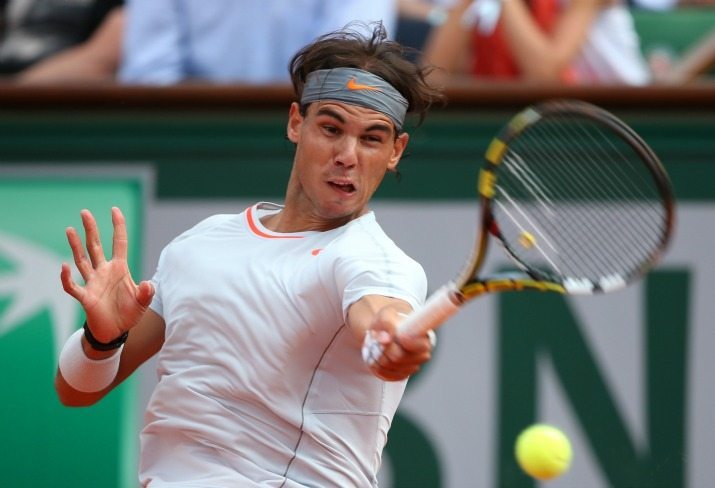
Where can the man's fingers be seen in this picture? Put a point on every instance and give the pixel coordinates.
(145, 293)
(393, 372)
(69, 285)
(93, 243)
(392, 355)
(119, 239)
(397, 363)
(396, 354)
(80, 258)
(417, 344)
(397, 360)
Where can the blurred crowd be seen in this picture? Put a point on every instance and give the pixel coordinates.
(163, 42)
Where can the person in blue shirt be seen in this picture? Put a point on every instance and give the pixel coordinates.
(232, 41)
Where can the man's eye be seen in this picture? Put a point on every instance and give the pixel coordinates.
(331, 129)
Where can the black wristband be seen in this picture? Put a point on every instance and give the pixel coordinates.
(104, 346)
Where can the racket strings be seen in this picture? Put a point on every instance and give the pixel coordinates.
(618, 175)
(629, 170)
(570, 249)
(646, 224)
(592, 246)
(583, 195)
(572, 188)
(593, 220)
(565, 251)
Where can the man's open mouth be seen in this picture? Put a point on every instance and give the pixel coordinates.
(344, 187)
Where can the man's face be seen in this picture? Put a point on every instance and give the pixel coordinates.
(342, 154)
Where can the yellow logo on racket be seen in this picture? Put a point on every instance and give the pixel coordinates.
(487, 180)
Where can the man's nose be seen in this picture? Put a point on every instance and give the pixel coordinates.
(347, 150)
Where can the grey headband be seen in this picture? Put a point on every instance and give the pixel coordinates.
(356, 87)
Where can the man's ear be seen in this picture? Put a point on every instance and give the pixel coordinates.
(295, 120)
(398, 149)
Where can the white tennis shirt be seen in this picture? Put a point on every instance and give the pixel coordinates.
(260, 381)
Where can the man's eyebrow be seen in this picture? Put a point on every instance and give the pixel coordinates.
(386, 128)
(379, 126)
(330, 113)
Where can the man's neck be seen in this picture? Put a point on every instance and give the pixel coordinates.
(286, 222)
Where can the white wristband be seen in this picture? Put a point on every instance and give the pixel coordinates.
(85, 374)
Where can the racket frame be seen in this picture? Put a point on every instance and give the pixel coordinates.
(470, 285)
(448, 299)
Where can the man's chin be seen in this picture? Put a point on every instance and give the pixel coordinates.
(342, 213)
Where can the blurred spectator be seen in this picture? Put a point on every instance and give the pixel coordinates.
(693, 64)
(95, 60)
(33, 30)
(415, 19)
(225, 41)
(579, 42)
(677, 41)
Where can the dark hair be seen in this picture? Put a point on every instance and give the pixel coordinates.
(350, 48)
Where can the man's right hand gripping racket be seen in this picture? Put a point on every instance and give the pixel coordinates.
(578, 202)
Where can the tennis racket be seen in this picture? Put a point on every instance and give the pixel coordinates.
(578, 201)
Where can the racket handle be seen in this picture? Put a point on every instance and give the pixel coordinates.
(439, 307)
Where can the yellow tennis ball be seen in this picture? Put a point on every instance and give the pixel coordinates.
(543, 451)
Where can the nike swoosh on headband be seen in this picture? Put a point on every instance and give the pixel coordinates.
(352, 84)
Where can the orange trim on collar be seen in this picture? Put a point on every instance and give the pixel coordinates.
(254, 228)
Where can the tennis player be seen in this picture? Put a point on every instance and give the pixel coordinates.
(258, 317)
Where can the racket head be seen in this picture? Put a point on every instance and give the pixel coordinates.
(577, 199)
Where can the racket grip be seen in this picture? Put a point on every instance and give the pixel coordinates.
(439, 307)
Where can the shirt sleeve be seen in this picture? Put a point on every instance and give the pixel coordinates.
(157, 303)
(388, 272)
(152, 50)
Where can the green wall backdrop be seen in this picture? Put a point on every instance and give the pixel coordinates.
(490, 380)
